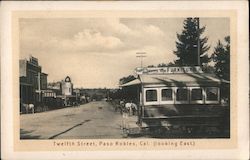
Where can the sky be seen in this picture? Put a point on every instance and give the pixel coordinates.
(97, 52)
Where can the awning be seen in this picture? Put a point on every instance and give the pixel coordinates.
(131, 83)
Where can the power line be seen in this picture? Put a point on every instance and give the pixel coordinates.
(141, 55)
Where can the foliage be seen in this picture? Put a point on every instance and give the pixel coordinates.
(151, 66)
(166, 64)
(221, 57)
(186, 44)
(126, 79)
(170, 64)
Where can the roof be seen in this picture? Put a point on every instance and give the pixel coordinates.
(131, 83)
(176, 79)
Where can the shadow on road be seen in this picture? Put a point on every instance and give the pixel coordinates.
(27, 135)
(52, 137)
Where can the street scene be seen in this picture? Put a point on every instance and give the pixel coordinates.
(102, 79)
(92, 120)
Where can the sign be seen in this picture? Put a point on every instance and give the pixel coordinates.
(168, 70)
(34, 60)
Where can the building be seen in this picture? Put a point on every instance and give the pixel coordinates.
(32, 81)
(35, 89)
(67, 92)
(67, 87)
(61, 94)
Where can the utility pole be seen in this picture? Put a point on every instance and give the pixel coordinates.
(198, 42)
(141, 55)
(39, 86)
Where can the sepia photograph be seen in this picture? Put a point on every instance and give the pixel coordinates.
(124, 80)
(106, 78)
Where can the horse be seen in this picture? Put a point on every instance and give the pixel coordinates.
(131, 107)
(29, 107)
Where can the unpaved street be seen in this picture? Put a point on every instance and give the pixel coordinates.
(92, 120)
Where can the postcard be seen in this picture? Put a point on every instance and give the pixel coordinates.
(125, 80)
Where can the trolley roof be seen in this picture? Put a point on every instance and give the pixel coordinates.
(181, 79)
(174, 76)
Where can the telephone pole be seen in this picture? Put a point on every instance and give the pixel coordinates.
(141, 55)
(198, 42)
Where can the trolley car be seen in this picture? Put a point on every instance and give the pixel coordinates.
(178, 98)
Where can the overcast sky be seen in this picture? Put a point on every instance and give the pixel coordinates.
(97, 52)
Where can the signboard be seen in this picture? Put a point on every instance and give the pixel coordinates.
(168, 70)
(33, 60)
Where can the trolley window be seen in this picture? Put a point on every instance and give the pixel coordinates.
(196, 94)
(151, 95)
(182, 94)
(212, 94)
(166, 94)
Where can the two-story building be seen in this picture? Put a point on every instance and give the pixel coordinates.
(32, 81)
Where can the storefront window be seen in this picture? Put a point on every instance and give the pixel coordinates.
(196, 94)
(151, 95)
(166, 94)
(212, 94)
(182, 94)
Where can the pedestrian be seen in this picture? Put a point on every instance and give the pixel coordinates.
(125, 115)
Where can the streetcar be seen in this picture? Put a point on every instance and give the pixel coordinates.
(181, 99)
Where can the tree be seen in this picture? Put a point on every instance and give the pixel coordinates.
(221, 57)
(151, 66)
(170, 64)
(187, 43)
(162, 65)
(126, 79)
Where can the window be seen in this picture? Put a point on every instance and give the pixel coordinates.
(182, 94)
(166, 94)
(196, 94)
(212, 94)
(151, 95)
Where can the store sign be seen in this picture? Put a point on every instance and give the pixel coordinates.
(168, 70)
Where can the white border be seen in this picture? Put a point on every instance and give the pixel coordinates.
(242, 152)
